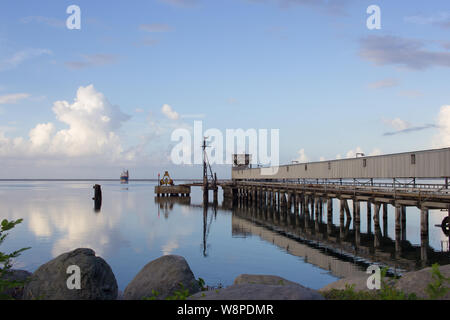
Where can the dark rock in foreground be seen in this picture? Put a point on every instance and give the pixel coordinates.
(164, 276)
(49, 282)
(260, 287)
(16, 275)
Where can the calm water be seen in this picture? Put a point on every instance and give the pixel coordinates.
(134, 228)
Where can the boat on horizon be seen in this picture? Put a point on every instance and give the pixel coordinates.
(124, 177)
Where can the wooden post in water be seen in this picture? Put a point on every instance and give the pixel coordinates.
(97, 197)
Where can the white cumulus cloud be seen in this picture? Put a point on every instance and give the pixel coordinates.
(442, 138)
(169, 112)
(92, 124)
(302, 158)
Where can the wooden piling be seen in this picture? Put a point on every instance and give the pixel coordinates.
(377, 229)
(357, 221)
(424, 235)
(398, 230)
(369, 217)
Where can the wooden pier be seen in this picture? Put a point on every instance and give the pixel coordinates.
(173, 191)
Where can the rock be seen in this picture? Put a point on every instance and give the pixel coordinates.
(259, 292)
(49, 282)
(359, 282)
(260, 287)
(164, 276)
(417, 281)
(16, 275)
(262, 279)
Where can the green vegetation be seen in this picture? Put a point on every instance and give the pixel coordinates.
(181, 294)
(435, 289)
(6, 260)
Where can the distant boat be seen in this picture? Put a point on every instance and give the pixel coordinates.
(124, 177)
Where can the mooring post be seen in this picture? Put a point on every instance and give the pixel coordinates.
(97, 197)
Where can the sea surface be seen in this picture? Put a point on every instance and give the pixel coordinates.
(133, 228)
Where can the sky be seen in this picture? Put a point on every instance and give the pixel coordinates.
(90, 102)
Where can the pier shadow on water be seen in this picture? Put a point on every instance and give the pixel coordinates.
(342, 249)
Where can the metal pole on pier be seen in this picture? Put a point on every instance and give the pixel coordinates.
(205, 174)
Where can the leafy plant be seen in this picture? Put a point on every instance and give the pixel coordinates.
(6, 260)
(436, 288)
(181, 294)
(154, 295)
(202, 284)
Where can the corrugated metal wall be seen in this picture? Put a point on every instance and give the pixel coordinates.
(428, 164)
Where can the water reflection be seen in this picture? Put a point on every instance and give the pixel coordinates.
(219, 241)
(166, 204)
(335, 248)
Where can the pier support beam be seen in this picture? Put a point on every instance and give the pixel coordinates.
(424, 235)
(385, 219)
(403, 223)
(398, 229)
(306, 212)
(329, 215)
(377, 229)
(369, 217)
(347, 210)
(341, 218)
(357, 223)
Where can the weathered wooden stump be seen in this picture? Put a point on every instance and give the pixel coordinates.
(97, 197)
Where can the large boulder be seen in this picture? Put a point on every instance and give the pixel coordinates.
(22, 276)
(49, 282)
(359, 283)
(262, 279)
(163, 276)
(260, 287)
(417, 281)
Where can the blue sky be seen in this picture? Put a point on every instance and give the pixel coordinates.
(312, 70)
